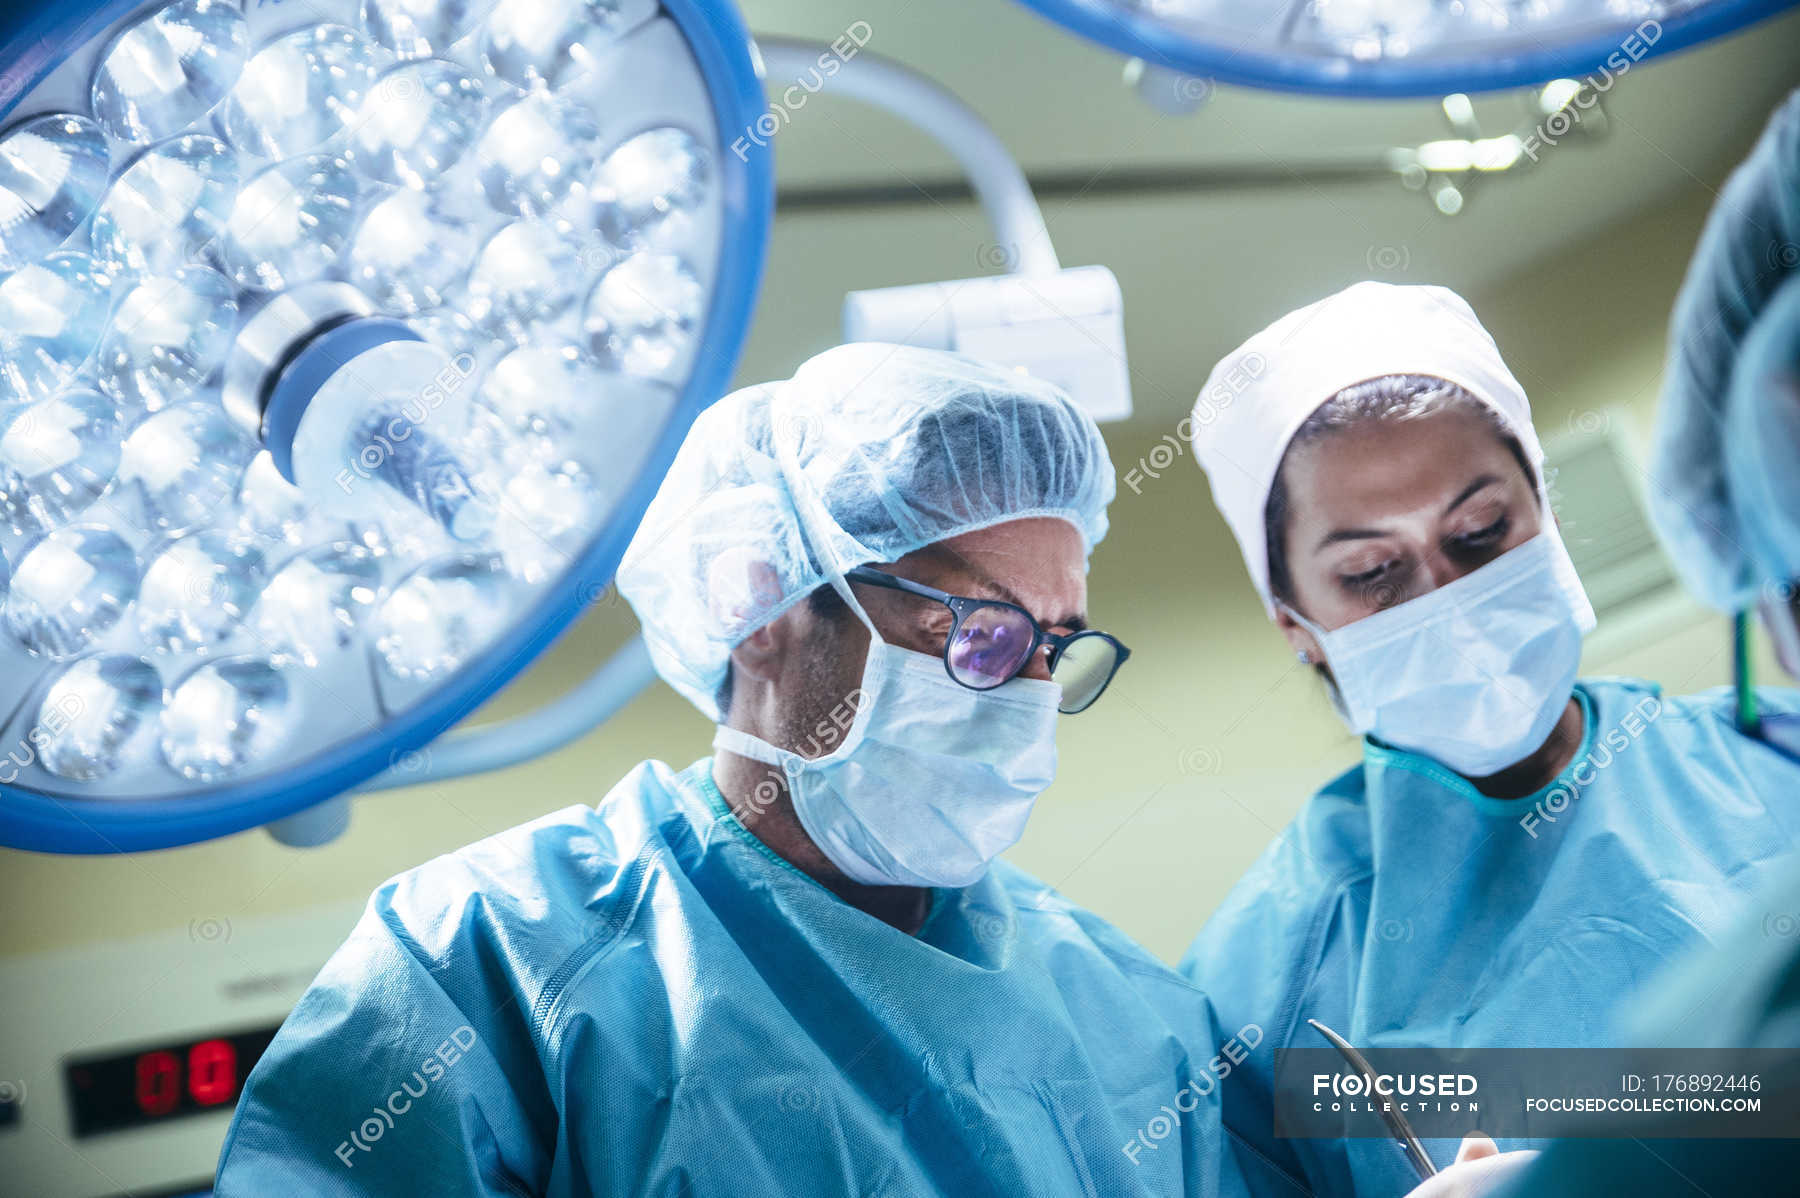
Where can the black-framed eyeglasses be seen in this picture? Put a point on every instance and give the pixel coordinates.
(992, 641)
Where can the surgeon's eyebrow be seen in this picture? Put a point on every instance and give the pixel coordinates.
(1369, 534)
(1348, 534)
(1486, 480)
(1075, 622)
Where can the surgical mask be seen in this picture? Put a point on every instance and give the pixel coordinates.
(932, 780)
(1474, 674)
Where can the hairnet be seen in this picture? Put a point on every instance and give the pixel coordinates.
(1750, 245)
(1762, 441)
(868, 453)
(1259, 394)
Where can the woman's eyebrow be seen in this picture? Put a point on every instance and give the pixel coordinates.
(1348, 534)
(1486, 480)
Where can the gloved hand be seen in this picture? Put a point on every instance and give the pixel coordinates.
(1480, 1168)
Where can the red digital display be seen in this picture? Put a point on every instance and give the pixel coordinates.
(158, 1082)
(148, 1085)
(212, 1076)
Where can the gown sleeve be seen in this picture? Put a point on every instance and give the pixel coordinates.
(381, 1082)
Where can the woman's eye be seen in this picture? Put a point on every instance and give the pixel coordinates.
(1366, 577)
(1481, 538)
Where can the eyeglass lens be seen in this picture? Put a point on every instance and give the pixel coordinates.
(1083, 669)
(990, 645)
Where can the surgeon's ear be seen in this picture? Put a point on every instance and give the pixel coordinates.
(760, 654)
(1303, 643)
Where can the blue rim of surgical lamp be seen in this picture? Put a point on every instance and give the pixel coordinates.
(1141, 36)
(30, 47)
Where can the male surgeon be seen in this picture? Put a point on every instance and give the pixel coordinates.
(794, 968)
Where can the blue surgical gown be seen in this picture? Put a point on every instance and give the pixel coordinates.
(642, 999)
(1402, 907)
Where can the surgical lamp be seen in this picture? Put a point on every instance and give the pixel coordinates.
(342, 346)
(1389, 48)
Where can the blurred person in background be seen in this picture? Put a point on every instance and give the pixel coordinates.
(1725, 480)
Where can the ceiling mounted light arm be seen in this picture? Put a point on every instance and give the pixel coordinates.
(999, 184)
(1064, 325)
(589, 704)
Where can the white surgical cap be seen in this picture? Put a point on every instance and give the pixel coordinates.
(868, 453)
(1259, 395)
(1749, 248)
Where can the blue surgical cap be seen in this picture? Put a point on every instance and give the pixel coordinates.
(868, 453)
(1762, 441)
(1749, 248)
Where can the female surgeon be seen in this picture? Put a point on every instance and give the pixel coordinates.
(1517, 849)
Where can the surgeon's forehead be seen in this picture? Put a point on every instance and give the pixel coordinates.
(1038, 563)
(1380, 467)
